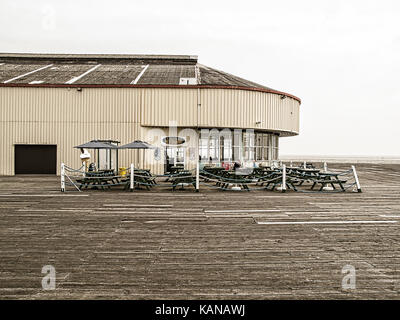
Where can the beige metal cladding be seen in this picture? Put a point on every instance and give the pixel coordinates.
(220, 108)
(249, 109)
(67, 116)
(160, 106)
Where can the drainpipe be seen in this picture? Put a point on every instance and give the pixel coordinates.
(197, 144)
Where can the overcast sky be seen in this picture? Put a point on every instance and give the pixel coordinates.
(342, 58)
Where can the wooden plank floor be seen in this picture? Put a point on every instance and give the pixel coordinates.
(186, 245)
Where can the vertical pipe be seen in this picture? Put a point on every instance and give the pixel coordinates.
(197, 163)
(117, 160)
(356, 178)
(62, 177)
(305, 164)
(284, 178)
(132, 182)
(198, 107)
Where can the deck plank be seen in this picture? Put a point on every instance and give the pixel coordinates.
(109, 244)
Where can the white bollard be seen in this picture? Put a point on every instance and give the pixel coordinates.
(62, 177)
(356, 178)
(197, 176)
(305, 164)
(291, 164)
(284, 178)
(132, 182)
(325, 167)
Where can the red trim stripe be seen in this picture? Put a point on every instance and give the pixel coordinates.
(43, 85)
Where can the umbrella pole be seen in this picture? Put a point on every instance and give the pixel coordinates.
(117, 167)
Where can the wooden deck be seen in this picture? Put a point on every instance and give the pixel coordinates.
(207, 245)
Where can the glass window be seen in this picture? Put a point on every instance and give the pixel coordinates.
(203, 149)
(275, 147)
(237, 145)
(266, 146)
(214, 148)
(259, 146)
(248, 143)
(227, 145)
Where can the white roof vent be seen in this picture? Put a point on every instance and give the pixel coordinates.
(186, 81)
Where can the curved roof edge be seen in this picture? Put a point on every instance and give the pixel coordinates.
(63, 56)
(266, 90)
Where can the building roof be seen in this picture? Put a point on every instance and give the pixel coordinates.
(105, 70)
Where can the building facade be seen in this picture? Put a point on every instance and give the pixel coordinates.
(51, 103)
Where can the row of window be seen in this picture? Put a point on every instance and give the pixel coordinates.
(218, 146)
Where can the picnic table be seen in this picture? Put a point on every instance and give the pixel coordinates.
(275, 178)
(142, 177)
(302, 174)
(176, 169)
(304, 171)
(184, 177)
(259, 171)
(269, 176)
(212, 172)
(326, 178)
(231, 177)
(98, 179)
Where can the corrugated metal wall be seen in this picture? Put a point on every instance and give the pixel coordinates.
(220, 108)
(159, 106)
(67, 117)
(248, 109)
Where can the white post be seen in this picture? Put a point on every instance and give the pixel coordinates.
(284, 178)
(132, 182)
(356, 178)
(62, 177)
(197, 176)
(291, 163)
(305, 164)
(325, 167)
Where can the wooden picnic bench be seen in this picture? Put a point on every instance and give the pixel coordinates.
(232, 177)
(98, 179)
(326, 178)
(212, 172)
(183, 178)
(142, 177)
(276, 180)
(302, 174)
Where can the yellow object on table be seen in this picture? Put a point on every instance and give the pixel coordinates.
(122, 171)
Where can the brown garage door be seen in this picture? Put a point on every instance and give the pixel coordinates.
(35, 159)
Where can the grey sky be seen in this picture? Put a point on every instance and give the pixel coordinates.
(342, 58)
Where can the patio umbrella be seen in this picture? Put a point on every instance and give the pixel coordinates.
(100, 144)
(95, 144)
(137, 144)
